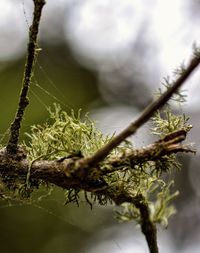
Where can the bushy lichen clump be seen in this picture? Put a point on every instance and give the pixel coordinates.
(65, 135)
(168, 122)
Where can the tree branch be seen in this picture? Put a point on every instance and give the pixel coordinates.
(146, 114)
(23, 101)
(65, 173)
(170, 144)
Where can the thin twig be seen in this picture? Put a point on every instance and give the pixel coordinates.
(23, 100)
(146, 114)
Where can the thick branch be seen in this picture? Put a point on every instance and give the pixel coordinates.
(23, 100)
(64, 172)
(146, 114)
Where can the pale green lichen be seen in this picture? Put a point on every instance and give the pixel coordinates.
(179, 96)
(168, 122)
(65, 135)
(160, 206)
(161, 210)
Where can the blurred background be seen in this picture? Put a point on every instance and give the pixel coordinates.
(108, 58)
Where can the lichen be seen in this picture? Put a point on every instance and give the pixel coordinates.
(64, 135)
